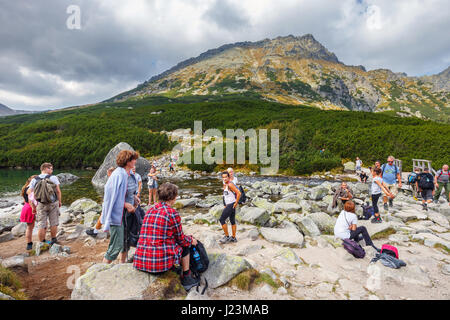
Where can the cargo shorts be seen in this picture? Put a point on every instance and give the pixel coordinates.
(392, 188)
(47, 211)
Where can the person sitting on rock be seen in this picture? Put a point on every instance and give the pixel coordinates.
(27, 216)
(162, 243)
(115, 205)
(342, 195)
(231, 195)
(345, 227)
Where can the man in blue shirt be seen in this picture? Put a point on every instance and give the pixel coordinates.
(390, 174)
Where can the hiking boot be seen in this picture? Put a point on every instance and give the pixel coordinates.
(385, 206)
(90, 232)
(30, 246)
(424, 207)
(53, 242)
(225, 239)
(376, 220)
(188, 281)
(233, 239)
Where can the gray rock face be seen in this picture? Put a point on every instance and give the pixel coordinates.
(323, 221)
(13, 262)
(100, 177)
(349, 166)
(223, 268)
(67, 178)
(286, 207)
(308, 227)
(5, 204)
(7, 236)
(8, 221)
(254, 215)
(19, 230)
(84, 205)
(186, 202)
(318, 193)
(288, 234)
(112, 282)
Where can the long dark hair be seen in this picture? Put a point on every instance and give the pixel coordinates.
(22, 193)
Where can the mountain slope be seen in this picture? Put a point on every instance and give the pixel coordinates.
(300, 70)
(5, 111)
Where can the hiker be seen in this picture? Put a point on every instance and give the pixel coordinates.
(27, 216)
(48, 196)
(171, 166)
(98, 226)
(358, 164)
(232, 176)
(341, 196)
(117, 201)
(412, 178)
(152, 185)
(441, 181)
(139, 181)
(231, 195)
(162, 243)
(390, 174)
(425, 185)
(345, 227)
(376, 188)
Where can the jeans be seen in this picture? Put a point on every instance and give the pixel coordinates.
(354, 235)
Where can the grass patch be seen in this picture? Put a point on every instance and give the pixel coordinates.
(202, 221)
(383, 234)
(265, 278)
(245, 279)
(441, 247)
(167, 286)
(10, 284)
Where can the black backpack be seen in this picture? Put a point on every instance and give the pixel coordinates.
(368, 211)
(133, 225)
(425, 181)
(243, 197)
(198, 262)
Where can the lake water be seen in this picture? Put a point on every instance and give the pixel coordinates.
(11, 182)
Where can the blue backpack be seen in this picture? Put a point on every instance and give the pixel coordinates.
(412, 178)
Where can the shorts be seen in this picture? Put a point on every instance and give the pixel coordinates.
(153, 185)
(427, 194)
(392, 188)
(27, 214)
(46, 211)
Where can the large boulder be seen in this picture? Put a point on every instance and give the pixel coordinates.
(112, 282)
(263, 204)
(8, 221)
(142, 165)
(287, 207)
(318, 193)
(67, 178)
(223, 268)
(209, 201)
(19, 230)
(308, 227)
(323, 221)
(84, 205)
(182, 203)
(349, 167)
(287, 234)
(254, 215)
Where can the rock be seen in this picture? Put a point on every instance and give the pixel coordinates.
(253, 234)
(112, 282)
(398, 238)
(248, 250)
(444, 209)
(67, 178)
(7, 236)
(289, 256)
(439, 219)
(411, 274)
(375, 228)
(19, 230)
(263, 204)
(349, 167)
(282, 291)
(40, 247)
(6, 204)
(65, 218)
(209, 201)
(286, 207)
(66, 249)
(446, 269)
(405, 215)
(9, 221)
(5, 297)
(55, 249)
(253, 215)
(222, 268)
(85, 205)
(14, 262)
(90, 218)
(318, 193)
(430, 240)
(204, 218)
(182, 203)
(216, 211)
(288, 234)
(323, 221)
(308, 227)
(78, 232)
(142, 165)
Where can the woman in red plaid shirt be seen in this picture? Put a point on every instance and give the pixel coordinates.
(162, 243)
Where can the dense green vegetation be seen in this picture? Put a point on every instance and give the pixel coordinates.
(82, 137)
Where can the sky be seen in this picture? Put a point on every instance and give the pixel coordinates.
(60, 53)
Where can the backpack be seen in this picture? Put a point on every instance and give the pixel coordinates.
(354, 248)
(133, 225)
(425, 182)
(243, 197)
(412, 178)
(198, 262)
(45, 190)
(390, 250)
(368, 211)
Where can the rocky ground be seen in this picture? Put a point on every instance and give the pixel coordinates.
(285, 250)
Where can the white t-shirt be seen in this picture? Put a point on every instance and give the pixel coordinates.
(358, 163)
(343, 222)
(53, 179)
(375, 188)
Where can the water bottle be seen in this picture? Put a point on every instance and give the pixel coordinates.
(197, 259)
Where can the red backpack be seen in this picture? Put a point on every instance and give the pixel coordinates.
(390, 250)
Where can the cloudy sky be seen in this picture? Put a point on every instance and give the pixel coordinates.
(46, 62)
